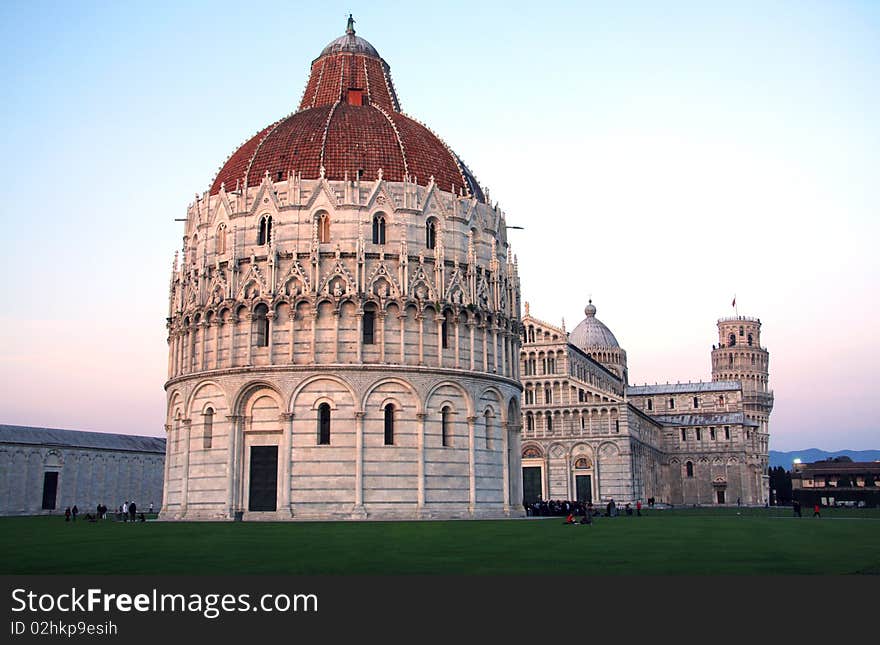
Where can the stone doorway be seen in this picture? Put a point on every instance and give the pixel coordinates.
(50, 490)
(263, 493)
(583, 488)
(531, 484)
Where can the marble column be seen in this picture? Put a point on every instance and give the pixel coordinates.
(286, 450)
(359, 510)
(184, 492)
(472, 465)
(420, 418)
(381, 317)
(439, 320)
(232, 461)
(505, 466)
(169, 443)
(270, 317)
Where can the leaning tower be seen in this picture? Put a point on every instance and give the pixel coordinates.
(739, 356)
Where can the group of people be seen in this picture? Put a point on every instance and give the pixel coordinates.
(127, 511)
(554, 508)
(569, 510)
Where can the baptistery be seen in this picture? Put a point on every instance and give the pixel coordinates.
(344, 326)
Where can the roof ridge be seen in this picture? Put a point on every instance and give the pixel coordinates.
(397, 134)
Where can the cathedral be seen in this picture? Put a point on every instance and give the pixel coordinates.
(345, 341)
(589, 436)
(344, 321)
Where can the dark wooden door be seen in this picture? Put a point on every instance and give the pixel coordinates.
(583, 484)
(50, 490)
(531, 484)
(264, 478)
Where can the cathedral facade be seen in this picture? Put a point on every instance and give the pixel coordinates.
(343, 324)
(589, 436)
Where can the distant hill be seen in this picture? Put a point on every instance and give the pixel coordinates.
(810, 455)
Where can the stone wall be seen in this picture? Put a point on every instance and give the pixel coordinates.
(86, 478)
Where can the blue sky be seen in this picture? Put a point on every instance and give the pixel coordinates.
(662, 157)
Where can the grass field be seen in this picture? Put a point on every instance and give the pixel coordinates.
(685, 541)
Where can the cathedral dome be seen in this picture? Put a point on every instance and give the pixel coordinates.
(592, 332)
(349, 125)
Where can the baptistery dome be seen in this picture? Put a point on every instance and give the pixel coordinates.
(344, 321)
(350, 125)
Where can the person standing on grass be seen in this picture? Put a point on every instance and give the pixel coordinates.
(638, 507)
(125, 511)
(816, 510)
(75, 512)
(67, 514)
(132, 511)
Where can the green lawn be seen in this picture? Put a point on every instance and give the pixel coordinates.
(681, 541)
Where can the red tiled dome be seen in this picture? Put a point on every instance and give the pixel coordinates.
(349, 121)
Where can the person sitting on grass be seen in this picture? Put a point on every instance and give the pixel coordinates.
(569, 519)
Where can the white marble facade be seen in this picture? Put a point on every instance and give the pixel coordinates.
(590, 436)
(260, 335)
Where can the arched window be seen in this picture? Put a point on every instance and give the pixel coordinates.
(261, 325)
(750, 339)
(753, 359)
(551, 365)
(369, 327)
(741, 330)
(431, 233)
(378, 229)
(696, 402)
(549, 422)
(721, 400)
(690, 469)
(732, 340)
(650, 404)
(324, 424)
(671, 403)
(221, 238)
(324, 228)
(265, 232)
(488, 419)
(699, 435)
(684, 434)
(548, 394)
(444, 329)
(530, 422)
(209, 428)
(389, 424)
(445, 436)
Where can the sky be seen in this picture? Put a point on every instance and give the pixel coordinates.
(662, 157)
